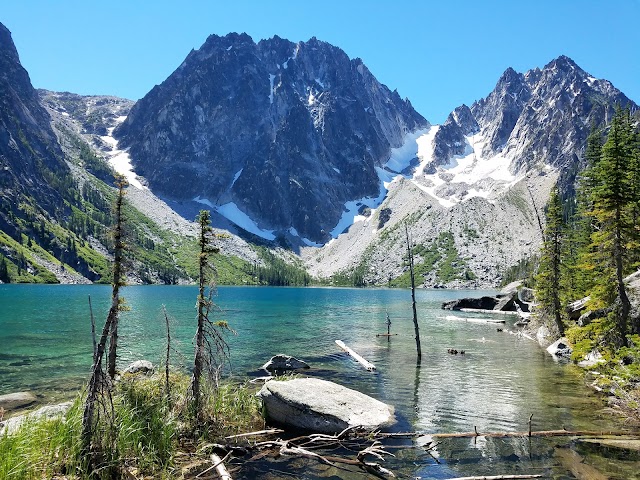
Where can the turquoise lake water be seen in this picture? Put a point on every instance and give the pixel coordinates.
(45, 347)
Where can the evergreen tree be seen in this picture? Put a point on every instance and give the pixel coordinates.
(549, 279)
(4, 271)
(211, 348)
(118, 274)
(611, 194)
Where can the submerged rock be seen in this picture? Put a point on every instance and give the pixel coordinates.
(13, 401)
(321, 406)
(284, 363)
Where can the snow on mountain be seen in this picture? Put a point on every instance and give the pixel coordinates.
(120, 160)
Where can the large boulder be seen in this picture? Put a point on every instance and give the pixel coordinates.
(320, 406)
(13, 424)
(13, 401)
(481, 303)
(144, 367)
(284, 363)
(560, 348)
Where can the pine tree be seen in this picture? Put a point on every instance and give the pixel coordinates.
(549, 279)
(4, 271)
(117, 303)
(612, 198)
(211, 348)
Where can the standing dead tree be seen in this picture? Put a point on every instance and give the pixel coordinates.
(413, 293)
(211, 348)
(99, 383)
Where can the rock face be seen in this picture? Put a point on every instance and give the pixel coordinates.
(12, 401)
(31, 161)
(284, 132)
(284, 363)
(322, 406)
(539, 117)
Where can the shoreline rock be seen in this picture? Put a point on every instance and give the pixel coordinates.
(17, 400)
(321, 406)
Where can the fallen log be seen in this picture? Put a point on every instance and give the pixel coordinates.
(271, 431)
(497, 477)
(540, 433)
(368, 365)
(481, 310)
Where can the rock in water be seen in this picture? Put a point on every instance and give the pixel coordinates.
(560, 348)
(12, 401)
(139, 366)
(322, 406)
(284, 363)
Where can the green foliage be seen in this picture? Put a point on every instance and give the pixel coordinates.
(440, 255)
(551, 272)
(278, 272)
(152, 435)
(524, 270)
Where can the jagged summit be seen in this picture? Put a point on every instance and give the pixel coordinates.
(529, 122)
(275, 136)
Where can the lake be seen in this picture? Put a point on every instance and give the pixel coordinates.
(45, 347)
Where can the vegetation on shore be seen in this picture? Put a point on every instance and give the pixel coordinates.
(152, 433)
(591, 243)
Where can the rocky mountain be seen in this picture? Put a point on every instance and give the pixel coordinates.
(476, 198)
(539, 118)
(32, 166)
(275, 136)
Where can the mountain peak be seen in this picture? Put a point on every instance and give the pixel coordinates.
(563, 63)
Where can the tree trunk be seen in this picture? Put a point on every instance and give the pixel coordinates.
(413, 295)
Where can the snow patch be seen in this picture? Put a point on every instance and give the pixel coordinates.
(401, 157)
(319, 83)
(271, 79)
(229, 47)
(336, 170)
(120, 160)
(121, 163)
(231, 212)
(235, 177)
(469, 175)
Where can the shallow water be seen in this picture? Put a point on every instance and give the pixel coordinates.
(45, 346)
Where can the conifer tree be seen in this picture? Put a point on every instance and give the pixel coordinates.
(549, 279)
(4, 271)
(118, 274)
(211, 347)
(612, 198)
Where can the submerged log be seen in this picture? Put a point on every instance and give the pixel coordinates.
(497, 477)
(540, 433)
(368, 365)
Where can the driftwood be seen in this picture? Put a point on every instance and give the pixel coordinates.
(497, 477)
(368, 365)
(270, 431)
(482, 310)
(218, 465)
(539, 433)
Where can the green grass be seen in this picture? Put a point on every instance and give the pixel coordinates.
(152, 434)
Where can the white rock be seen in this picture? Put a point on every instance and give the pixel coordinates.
(12, 401)
(139, 366)
(322, 406)
(12, 425)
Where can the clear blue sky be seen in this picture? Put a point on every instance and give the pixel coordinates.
(438, 54)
